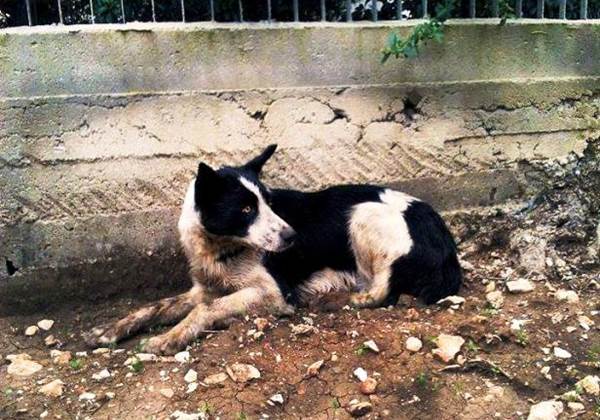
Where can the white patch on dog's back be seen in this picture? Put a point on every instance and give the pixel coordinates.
(379, 233)
(265, 231)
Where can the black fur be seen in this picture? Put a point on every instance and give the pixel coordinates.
(320, 220)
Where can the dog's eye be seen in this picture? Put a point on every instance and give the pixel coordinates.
(247, 209)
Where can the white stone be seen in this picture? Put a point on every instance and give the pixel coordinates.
(569, 296)
(451, 301)
(545, 410)
(101, 350)
(517, 325)
(87, 396)
(22, 365)
(590, 384)
(180, 415)
(575, 406)
(51, 341)
(448, 346)
(167, 392)
(45, 324)
(31, 330)
(240, 372)
(183, 357)
(277, 399)
(103, 374)
(192, 387)
(495, 298)
(302, 329)
(520, 286)
(360, 374)
(561, 353)
(371, 345)
(146, 357)
(53, 389)
(359, 409)
(191, 376)
(60, 357)
(413, 344)
(215, 379)
(313, 369)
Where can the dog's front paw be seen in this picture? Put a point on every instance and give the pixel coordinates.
(99, 336)
(361, 300)
(162, 344)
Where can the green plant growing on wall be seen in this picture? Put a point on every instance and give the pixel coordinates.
(432, 29)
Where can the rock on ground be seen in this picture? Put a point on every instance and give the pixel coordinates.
(545, 410)
(413, 344)
(448, 346)
(53, 389)
(22, 365)
(240, 372)
(520, 286)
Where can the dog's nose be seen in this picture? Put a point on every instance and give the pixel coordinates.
(288, 235)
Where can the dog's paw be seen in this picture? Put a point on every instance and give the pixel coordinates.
(162, 344)
(99, 336)
(362, 300)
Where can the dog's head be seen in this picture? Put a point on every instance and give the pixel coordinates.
(233, 203)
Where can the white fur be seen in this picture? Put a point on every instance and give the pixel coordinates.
(266, 230)
(379, 235)
(190, 217)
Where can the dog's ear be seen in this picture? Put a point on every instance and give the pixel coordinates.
(255, 165)
(207, 180)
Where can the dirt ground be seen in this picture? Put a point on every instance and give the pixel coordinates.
(512, 357)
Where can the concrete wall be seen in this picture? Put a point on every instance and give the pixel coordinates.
(102, 127)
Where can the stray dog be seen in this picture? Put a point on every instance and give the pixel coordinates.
(251, 247)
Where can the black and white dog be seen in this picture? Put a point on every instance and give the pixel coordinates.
(251, 247)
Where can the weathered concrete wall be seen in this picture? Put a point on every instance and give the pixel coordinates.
(102, 127)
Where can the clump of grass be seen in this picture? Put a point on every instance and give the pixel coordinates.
(335, 403)
(139, 347)
(593, 355)
(76, 364)
(421, 380)
(137, 366)
(472, 346)
(206, 408)
(522, 337)
(241, 416)
(489, 312)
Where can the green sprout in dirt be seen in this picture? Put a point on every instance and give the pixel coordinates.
(421, 380)
(206, 408)
(139, 347)
(8, 391)
(76, 364)
(472, 346)
(362, 350)
(137, 366)
(489, 312)
(335, 403)
(241, 416)
(594, 355)
(522, 337)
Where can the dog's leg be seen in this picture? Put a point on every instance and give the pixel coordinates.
(377, 292)
(165, 311)
(204, 317)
